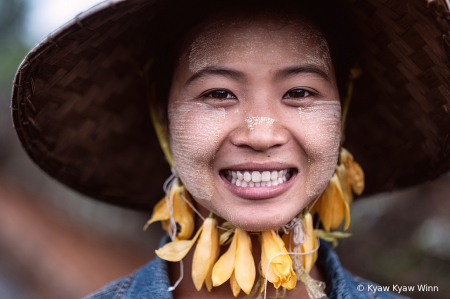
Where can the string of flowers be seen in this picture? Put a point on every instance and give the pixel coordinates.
(279, 266)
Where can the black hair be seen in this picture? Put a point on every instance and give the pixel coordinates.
(180, 16)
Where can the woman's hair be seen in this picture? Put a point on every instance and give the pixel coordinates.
(326, 15)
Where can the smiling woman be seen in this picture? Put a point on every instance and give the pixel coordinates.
(277, 75)
(254, 120)
(249, 101)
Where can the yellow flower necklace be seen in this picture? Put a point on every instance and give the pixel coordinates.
(284, 260)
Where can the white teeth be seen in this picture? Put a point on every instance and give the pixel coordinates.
(274, 175)
(247, 176)
(240, 176)
(265, 176)
(257, 178)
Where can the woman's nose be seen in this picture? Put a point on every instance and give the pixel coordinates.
(260, 133)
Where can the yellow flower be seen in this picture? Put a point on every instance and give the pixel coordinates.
(280, 271)
(224, 235)
(183, 214)
(345, 185)
(235, 287)
(310, 244)
(332, 207)
(355, 174)
(205, 255)
(175, 251)
(236, 264)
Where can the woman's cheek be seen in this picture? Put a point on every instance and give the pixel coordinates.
(194, 134)
(321, 124)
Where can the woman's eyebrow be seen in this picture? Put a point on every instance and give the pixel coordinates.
(215, 71)
(299, 69)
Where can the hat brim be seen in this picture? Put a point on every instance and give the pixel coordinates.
(79, 104)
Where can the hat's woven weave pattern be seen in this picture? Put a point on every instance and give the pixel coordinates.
(82, 110)
(406, 113)
(81, 113)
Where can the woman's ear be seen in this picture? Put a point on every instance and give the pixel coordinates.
(342, 124)
(161, 126)
(164, 120)
(342, 131)
(158, 109)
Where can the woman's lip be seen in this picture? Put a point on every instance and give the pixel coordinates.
(260, 167)
(256, 193)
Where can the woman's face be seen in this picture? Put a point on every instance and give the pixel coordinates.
(254, 118)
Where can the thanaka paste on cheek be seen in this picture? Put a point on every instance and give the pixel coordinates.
(321, 121)
(194, 131)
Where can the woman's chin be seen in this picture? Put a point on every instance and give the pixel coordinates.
(259, 227)
(255, 214)
(259, 221)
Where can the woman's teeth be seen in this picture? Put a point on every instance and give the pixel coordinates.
(258, 178)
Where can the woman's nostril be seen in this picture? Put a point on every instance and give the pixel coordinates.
(260, 134)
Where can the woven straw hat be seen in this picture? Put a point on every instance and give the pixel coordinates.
(79, 104)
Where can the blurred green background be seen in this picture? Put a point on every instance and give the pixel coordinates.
(55, 243)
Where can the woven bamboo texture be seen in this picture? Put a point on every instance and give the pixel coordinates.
(80, 111)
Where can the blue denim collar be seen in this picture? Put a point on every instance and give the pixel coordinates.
(340, 283)
(337, 279)
(152, 281)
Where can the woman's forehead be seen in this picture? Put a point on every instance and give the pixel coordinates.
(267, 39)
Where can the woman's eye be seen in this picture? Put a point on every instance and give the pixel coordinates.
(297, 93)
(220, 94)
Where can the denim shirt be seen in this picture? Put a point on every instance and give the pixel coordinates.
(152, 281)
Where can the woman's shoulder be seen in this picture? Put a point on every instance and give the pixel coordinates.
(342, 284)
(113, 289)
(368, 289)
(150, 281)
